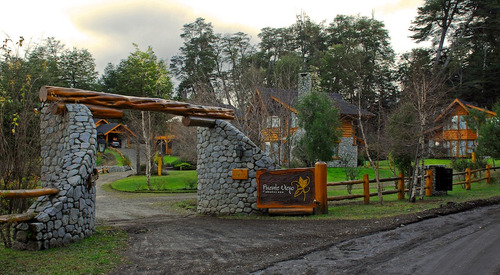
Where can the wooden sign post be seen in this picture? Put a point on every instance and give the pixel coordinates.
(291, 191)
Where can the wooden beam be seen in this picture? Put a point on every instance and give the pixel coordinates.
(70, 95)
(17, 217)
(97, 111)
(198, 121)
(27, 193)
(291, 211)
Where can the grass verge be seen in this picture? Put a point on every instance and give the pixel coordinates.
(175, 181)
(98, 254)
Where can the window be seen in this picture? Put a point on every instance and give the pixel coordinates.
(454, 122)
(462, 148)
(275, 122)
(336, 150)
(470, 146)
(462, 122)
(267, 148)
(293, 123)
(453, 148)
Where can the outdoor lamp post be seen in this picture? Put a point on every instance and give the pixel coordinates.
(239, 151)
(101, 145)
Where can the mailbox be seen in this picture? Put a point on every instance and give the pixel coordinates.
(443, 178)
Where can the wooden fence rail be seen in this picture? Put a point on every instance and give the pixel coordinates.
(401, 189)
(23, 193)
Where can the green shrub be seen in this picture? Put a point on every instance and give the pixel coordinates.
(183, 166)
(191, 183)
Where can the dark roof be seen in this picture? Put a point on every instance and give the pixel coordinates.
(104, 128)
(465, 104)
(289, 98)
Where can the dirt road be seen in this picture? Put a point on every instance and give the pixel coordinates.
(463, 243)
(116, 208)
(165, 241)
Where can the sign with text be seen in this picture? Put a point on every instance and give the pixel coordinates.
(285, 188)
(240, 174)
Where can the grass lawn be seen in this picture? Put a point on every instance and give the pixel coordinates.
(338, 174)
(110, 158)
(175, 181)
(355, 209)
(98, 254)
(169, 159)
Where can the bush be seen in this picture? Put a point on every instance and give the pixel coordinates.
(191, 183)
(183, 166)
(462, 164)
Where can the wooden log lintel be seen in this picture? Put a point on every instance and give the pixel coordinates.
(198, 121)
(97, 111)
(114, 101)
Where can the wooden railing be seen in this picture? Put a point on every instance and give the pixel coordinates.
(401, 187)
(23, 193)
(366, 188)
(468, 176)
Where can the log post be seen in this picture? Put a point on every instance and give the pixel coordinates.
(366, 189)
(320, 171)
(159, 164)
(467, 179)
(488, 175)
(198, 121)
(428, 183)
(401, 187)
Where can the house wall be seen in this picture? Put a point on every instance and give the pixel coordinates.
(347, 154)
(218, 192)
(457, 138)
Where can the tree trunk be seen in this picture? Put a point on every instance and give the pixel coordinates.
(138, 158)
(148, 153)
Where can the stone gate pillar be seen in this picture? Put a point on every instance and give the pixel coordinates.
(68, 151)
(218, 192)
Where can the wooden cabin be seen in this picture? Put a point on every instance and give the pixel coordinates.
(453, 136)
(273, 108)
(114, 133)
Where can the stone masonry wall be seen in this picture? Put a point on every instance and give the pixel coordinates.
(347, 153)
(218, 192)
(68, 153)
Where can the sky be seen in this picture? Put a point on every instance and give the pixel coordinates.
(108, 28)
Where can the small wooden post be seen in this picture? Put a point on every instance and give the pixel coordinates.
(401, 187)
(366, 189)
(320, 171)
(467, 179)
(488, 175)
(428, 183)
(159, 165)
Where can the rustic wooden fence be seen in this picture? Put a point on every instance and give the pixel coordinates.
(23, 193)
(469, 179)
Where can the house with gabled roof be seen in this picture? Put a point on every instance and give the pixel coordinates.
(113, 133)
(278, 129)
(453, 135)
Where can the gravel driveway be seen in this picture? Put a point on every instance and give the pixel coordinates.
(165, 240)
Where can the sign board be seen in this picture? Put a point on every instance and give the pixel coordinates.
(285, 188)
(240, 174)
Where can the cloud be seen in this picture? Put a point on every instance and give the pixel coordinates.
(400, 5)
(112, 28)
